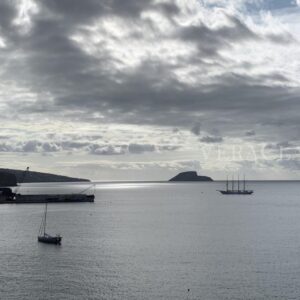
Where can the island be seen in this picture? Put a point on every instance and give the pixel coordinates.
(190, 176)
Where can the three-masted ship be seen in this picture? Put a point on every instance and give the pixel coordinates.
(238, 191)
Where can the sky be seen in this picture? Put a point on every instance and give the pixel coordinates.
(144, 89)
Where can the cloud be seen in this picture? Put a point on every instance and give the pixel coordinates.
(170, 165)
(290, 164)
(169, 147)
(30, 146)
(105, 144)
(196, 128)
(250, 133)
(138, 148)
(65, 67)
(107, 149)
(281, 145)
(210, 41)
(211, 139)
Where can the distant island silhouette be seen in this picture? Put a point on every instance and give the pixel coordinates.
(190, 176)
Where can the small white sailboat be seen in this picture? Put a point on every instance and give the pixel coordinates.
(44, 237)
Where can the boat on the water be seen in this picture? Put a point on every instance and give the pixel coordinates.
(237, 191)
(44, 237)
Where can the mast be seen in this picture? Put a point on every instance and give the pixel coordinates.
(45, 219)
(227, 183)
(232, 182)
(244, 183)
(238, 182)
(21, 180)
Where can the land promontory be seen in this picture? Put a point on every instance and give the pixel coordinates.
(10, 177)
(190, 176)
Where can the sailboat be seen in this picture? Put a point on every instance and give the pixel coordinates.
(237, 191)
(44, 237)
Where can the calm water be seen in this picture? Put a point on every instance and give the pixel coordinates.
(156, 241)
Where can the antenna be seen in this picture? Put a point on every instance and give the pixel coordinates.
(188, 291)
(89, 188)
(227, 183)
(22, 180)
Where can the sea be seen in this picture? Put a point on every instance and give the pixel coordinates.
(155, 241)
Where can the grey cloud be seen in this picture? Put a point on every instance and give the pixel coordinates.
(211, 139)
(5, 148)
(78, 84)
(107, 150)
(80, 11)
(7, 14)
(180, 165)
(50, 147)
(286, 149)
(81, 145)
(282, 39)
(196, 129)
(30, 146)
(290, 164)
(210, 41)
(140, 148)
(71, 145)
(281, 145)
(168, 8)
(168, 147)
(250, 133)
(175, 130)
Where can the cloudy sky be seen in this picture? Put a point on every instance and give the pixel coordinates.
(143, 89)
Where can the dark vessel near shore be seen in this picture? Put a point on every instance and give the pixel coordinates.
(7, 196)
(44, 237)
(238, 191)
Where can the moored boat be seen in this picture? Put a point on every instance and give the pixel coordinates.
(44, 237)
(48, 239)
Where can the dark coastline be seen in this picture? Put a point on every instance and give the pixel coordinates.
(39, 177)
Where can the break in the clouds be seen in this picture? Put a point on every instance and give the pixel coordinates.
(75, 69)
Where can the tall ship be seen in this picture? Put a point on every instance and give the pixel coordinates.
(238, 191)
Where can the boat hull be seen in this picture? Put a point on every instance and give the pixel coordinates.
(50, 239)
(236, 192)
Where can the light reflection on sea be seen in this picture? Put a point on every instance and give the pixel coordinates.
(155, 241)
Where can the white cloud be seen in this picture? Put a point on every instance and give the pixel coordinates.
(26, 10)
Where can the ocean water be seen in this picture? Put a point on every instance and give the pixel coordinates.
(155, 241)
